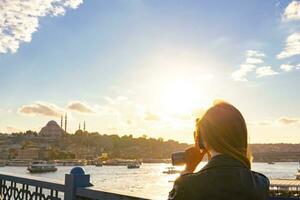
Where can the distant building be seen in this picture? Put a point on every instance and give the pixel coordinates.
(33, 153)
(4, 153)
(52, 129)
(30, 153)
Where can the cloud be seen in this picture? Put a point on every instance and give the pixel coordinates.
(260, 123)
(10, 129)
(121, 113)
(289, 67)
(20, 19)
(183, 117)
(80, 107)
(257, 54)
(264, 123)
(265, 71)
(151, 117)
(240, 74)
(254, 61)
(292, 11)
(292, 46)
(41, 108)
(6, 111)
(253, 58)
(288, 120)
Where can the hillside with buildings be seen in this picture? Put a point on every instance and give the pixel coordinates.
(53, 142)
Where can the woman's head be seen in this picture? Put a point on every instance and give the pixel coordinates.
(223, 129)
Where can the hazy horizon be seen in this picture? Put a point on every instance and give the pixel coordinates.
(150, 67)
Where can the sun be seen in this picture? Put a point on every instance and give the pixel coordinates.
(182, 97)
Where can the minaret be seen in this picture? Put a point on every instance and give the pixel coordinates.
(61, 121)
(66, 122)
(84, 126)
(79, 128)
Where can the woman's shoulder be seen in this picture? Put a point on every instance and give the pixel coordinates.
(260, 175)
(210, 175)
(186, 187)
(261, 178)
(190, 186)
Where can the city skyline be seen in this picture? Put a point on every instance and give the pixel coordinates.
(150, 67)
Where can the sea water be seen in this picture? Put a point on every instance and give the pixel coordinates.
(148, 181)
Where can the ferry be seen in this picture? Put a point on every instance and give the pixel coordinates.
(171, 170)
(41, 167)
(135, 165)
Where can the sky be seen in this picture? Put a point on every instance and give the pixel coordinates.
(150, 67)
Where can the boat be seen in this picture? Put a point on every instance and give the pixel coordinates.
(120, 162)
(171, 170)
(41, 167)
(73, 162)
(298, 175)
(18, 163)
(133, 166)
(98, 164)
(271, 163)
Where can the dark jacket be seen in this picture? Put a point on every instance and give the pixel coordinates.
(222, 178)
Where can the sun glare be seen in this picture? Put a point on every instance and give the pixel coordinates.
(182, 97)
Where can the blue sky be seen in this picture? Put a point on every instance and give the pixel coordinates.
(147, 66)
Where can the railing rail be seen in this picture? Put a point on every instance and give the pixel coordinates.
(38, 182)
(96, 194)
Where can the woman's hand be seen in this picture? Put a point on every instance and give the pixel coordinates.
(193, 157)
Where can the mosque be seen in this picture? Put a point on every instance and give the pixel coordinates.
(52, 129)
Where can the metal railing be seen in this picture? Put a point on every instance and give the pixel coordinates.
(76, 186)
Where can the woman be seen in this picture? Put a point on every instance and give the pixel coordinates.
(222, 134)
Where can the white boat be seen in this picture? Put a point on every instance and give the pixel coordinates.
(41, 167)
(171, 170)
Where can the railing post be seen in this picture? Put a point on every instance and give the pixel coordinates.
(76, 178)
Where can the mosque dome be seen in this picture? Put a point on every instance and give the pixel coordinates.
(52, 129)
